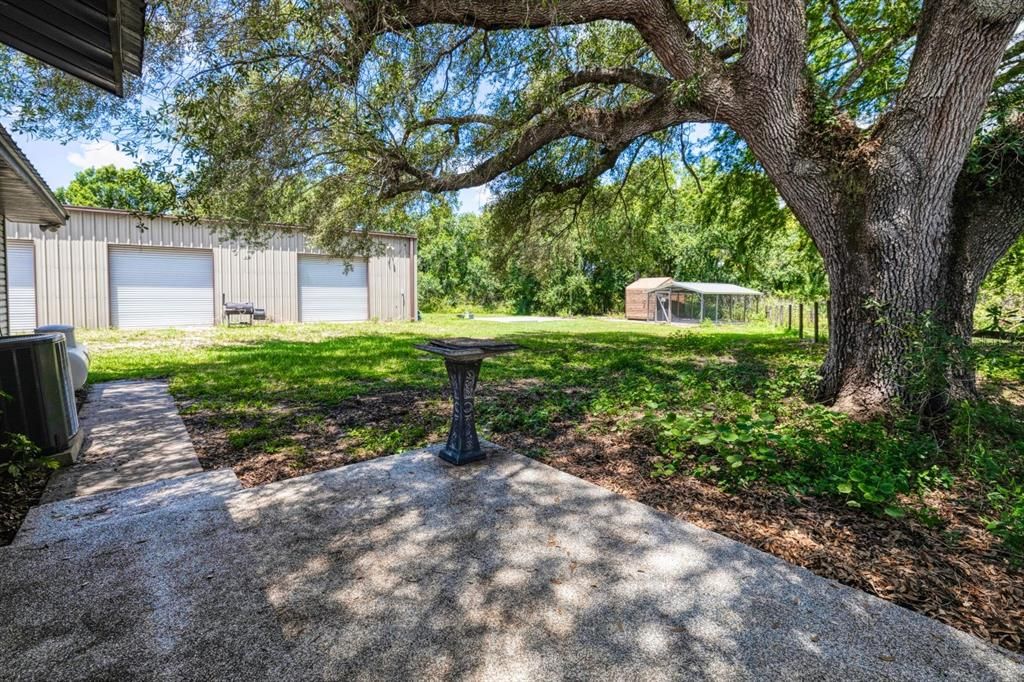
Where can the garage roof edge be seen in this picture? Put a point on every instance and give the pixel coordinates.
(170, 216)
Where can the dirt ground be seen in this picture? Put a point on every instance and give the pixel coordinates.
(17, 495)
(955, 573)
(318, 439)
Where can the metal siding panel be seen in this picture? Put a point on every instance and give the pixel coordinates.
(390, 282)
(47, 289)
(101, 291)
(290, 283)
(329, 294)
(22, 286)
(414, 294)
(59, 272)
(156, 287)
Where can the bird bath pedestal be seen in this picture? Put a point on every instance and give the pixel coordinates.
(462, 359)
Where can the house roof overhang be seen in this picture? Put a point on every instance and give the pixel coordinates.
(95, 40)
(24, 196)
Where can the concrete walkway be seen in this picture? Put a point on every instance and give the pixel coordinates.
(405, 567)
(133, 436)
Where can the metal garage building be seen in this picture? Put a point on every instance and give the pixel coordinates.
(101, 270)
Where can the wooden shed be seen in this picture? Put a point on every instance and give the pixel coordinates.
(639, 304)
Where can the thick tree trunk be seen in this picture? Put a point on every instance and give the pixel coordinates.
(904, 273)
(898, 337)
(891, 213)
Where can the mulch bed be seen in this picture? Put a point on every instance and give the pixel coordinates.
(957, 573)
(17, 495)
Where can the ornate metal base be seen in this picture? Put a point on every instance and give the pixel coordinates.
(463, 444)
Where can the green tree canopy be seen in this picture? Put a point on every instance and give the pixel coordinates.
(125, 188)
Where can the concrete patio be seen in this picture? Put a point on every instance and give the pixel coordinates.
(132, 435)
(405, 567)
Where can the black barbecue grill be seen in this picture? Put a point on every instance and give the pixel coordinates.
(244, 313)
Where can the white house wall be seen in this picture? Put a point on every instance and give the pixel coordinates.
(72, 267)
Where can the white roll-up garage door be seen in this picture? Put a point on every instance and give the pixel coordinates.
(155, 287)
(21, 287)
(327, 293)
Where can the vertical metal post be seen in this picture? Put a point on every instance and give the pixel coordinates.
(789, 325)
(718, 306)
(702, 307)
(815, 322)
(800, 308)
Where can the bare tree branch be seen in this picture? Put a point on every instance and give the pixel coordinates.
(687, 166)
(676, 46)
(866, 62)
(612, 130)
(844, 28)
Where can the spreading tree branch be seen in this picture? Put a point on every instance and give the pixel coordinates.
(612, 130)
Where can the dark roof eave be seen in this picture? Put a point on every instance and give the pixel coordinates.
(15, 159)
(95, 45)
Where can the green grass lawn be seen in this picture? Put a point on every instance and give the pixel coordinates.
(711, 424)
(724, 403)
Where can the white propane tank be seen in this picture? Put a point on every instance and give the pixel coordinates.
(78, 355)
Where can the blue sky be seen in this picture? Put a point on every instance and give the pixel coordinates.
(58, 164)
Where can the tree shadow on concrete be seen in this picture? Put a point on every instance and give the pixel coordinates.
(407, 567)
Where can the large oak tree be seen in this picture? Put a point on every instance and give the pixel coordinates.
(874, 120)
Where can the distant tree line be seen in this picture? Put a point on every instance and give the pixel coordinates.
(720, 224)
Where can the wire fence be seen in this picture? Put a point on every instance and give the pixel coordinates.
(808, 320)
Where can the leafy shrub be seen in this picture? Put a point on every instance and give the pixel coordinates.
(989, 442)
(19, 454)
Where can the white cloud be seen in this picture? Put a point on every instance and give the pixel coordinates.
(473, 199)
(100, 153)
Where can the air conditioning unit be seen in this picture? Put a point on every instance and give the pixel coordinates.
(34, 372)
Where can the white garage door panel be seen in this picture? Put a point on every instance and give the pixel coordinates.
(21, 287)
(152, 287)
(329, 294)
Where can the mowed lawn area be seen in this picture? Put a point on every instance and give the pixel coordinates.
(710, 424)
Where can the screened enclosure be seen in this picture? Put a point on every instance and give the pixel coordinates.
(661, 299)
